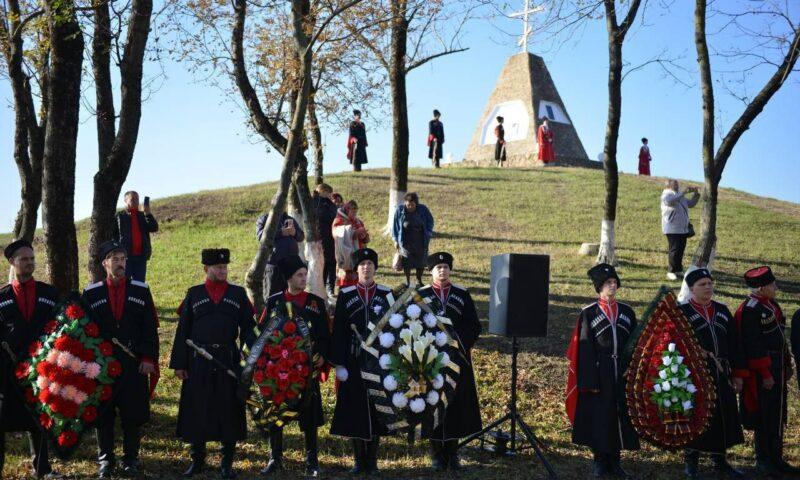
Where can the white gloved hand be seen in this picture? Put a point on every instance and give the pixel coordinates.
(342, 374)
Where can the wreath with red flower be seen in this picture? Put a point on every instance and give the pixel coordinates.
(281, 367)
(69, 373)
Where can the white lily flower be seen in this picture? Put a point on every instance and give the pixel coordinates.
(691, 388)
(385, 360)
(419, 349)
(441, 339)
(386, 339)
(665, 386)
(433, 397)
(438, 381)
(406, 335)
(416, 328)
(413, 311)
(657, 388)
(663, 374)
(396, 320)
(445, 358)
(667, 402)
(399, 400)
(687, 405)
(390, 383)
(430, 320)
(429, 338)
(417, 405)
(405, 351)
(671, 347)
(432, 354)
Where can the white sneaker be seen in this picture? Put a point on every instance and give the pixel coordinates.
(671, 276)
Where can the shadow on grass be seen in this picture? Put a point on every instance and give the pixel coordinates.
(475, 238)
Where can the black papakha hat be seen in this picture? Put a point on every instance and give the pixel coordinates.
(216, 256)
(107, 248)
(758, 277)
(363, 254)
(357, 112)
(499, 118)
(696, 275)
(602, 272)
(439, 258)
(291, 264)
(12, 247)
(437, 113)
(644, 139)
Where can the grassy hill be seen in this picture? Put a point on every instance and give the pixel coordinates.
(479, 213)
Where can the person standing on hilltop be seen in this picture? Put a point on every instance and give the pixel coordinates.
(644, 158)
(357, 142)
(435, 138)
(412, 230)
(500, 146)
(545, 139)
(675, 223)
(132, 229)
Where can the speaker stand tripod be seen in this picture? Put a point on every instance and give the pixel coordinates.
(516, 420)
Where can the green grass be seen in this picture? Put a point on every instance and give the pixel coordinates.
(479, 213)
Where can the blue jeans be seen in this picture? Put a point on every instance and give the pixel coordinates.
(136, 268)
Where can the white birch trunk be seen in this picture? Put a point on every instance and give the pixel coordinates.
(297, 213)
(685, 294)
(395, 199)
(606, 253)
(316, 263)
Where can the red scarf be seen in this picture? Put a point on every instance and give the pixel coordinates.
(298, 299)
(442, 292)
(136, 233)
(609, 307)
(116, 297)
(25, 294)
(707, 311)
(216, 290)
(366, 293)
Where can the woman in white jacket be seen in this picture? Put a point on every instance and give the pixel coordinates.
(675, 223)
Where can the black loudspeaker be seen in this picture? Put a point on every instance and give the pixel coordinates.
(518, 295)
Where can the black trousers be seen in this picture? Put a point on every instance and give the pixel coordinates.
(273, 281)
(329, 270)
(677, 244)
(39, 453)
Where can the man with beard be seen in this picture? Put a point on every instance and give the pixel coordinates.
(125, 312)
(761, 323)
(463, 417)
(358, 307)
(213, 316)
(26, 306)
(312, 309)
(715, 330)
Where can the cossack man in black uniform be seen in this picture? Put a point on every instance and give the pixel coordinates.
(357, 142)
(213, 316)
(313, 310)
(761, 324)
(463, 415)
(435, 139)
(715, 330)
(358, 306)
(600, 336)
(26, 305)
(124, 311)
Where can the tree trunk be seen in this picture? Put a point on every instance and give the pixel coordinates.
(398, 182)
(313, 243)
(63, 100)
(316, 139)
(115, 148)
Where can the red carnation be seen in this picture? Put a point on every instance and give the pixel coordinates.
(45, 421)
(284, 364)
(67, 438)
(276, 333)
(50, 326)
(74, 312)
(275, 351)
(304, 371)
(258, 376)
(34, 347)
(22, 370)
(29, 396)
(288, 343)
(91, 329)
(106, 393)
(283, 384)
(289, 327)
(89, 414)
(277, 399)
(114, 368)
(294, 376)
(44, 396)
(272, 370)
(69, 409)
(291, 394)
(106, 349)
(86, 355)
(262, 362)
(266, 391)
(62, 343)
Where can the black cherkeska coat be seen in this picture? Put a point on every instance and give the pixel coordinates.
(137, 330)
(435, 132)
(354, 415)
(19, 333)
(209, 409)
(359, 132)
(463, 415)
(316, 316)
(719, 338)
(598, 423)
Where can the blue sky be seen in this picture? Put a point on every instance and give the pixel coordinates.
(193, 138)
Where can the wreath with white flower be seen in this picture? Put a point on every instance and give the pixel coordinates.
(409, 366)
(673, 389)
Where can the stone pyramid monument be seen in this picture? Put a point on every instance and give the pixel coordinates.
(523, 95)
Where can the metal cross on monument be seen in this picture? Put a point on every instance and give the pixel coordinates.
(527, 29)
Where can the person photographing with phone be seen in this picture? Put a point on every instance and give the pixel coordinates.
(285, 244)
(675, 223)
(132, 229)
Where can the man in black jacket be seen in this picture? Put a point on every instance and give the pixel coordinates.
(132, 230)
(285, 244)
(126, 315)
(25, 307)
(326, 214)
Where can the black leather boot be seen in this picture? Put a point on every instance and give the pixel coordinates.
(275, 463)
(691, 459)
(371, 456)
(226, 464)
(451, 454)
(615, 467)
(131, 443)
(438, 459)
(312, 459)
(105, 450)
(600, 467)
(198, 453)
(764, 455)
(723, 468)
(359, 464)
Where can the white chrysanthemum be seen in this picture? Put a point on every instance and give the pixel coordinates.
(445, 359)
(406, 336)
(341, 374)
(390, 383)
(441, 339)
(438, 381)
(52, 356)
(663, 374)
(430, 320)
(657, 388)
(691, 388)
(674, 368)
(385, 360)
(417, 405)
(665, 386)
(42, 382)
(405, 351)
(396, 320)
(687, 405)
(667, 402)
(399, 400)
(671, 347)
(413, 311)
(386, 339)
(666, 360)
(432, 398)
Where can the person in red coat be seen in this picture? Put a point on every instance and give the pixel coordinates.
(545, 140)
(644, 158)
